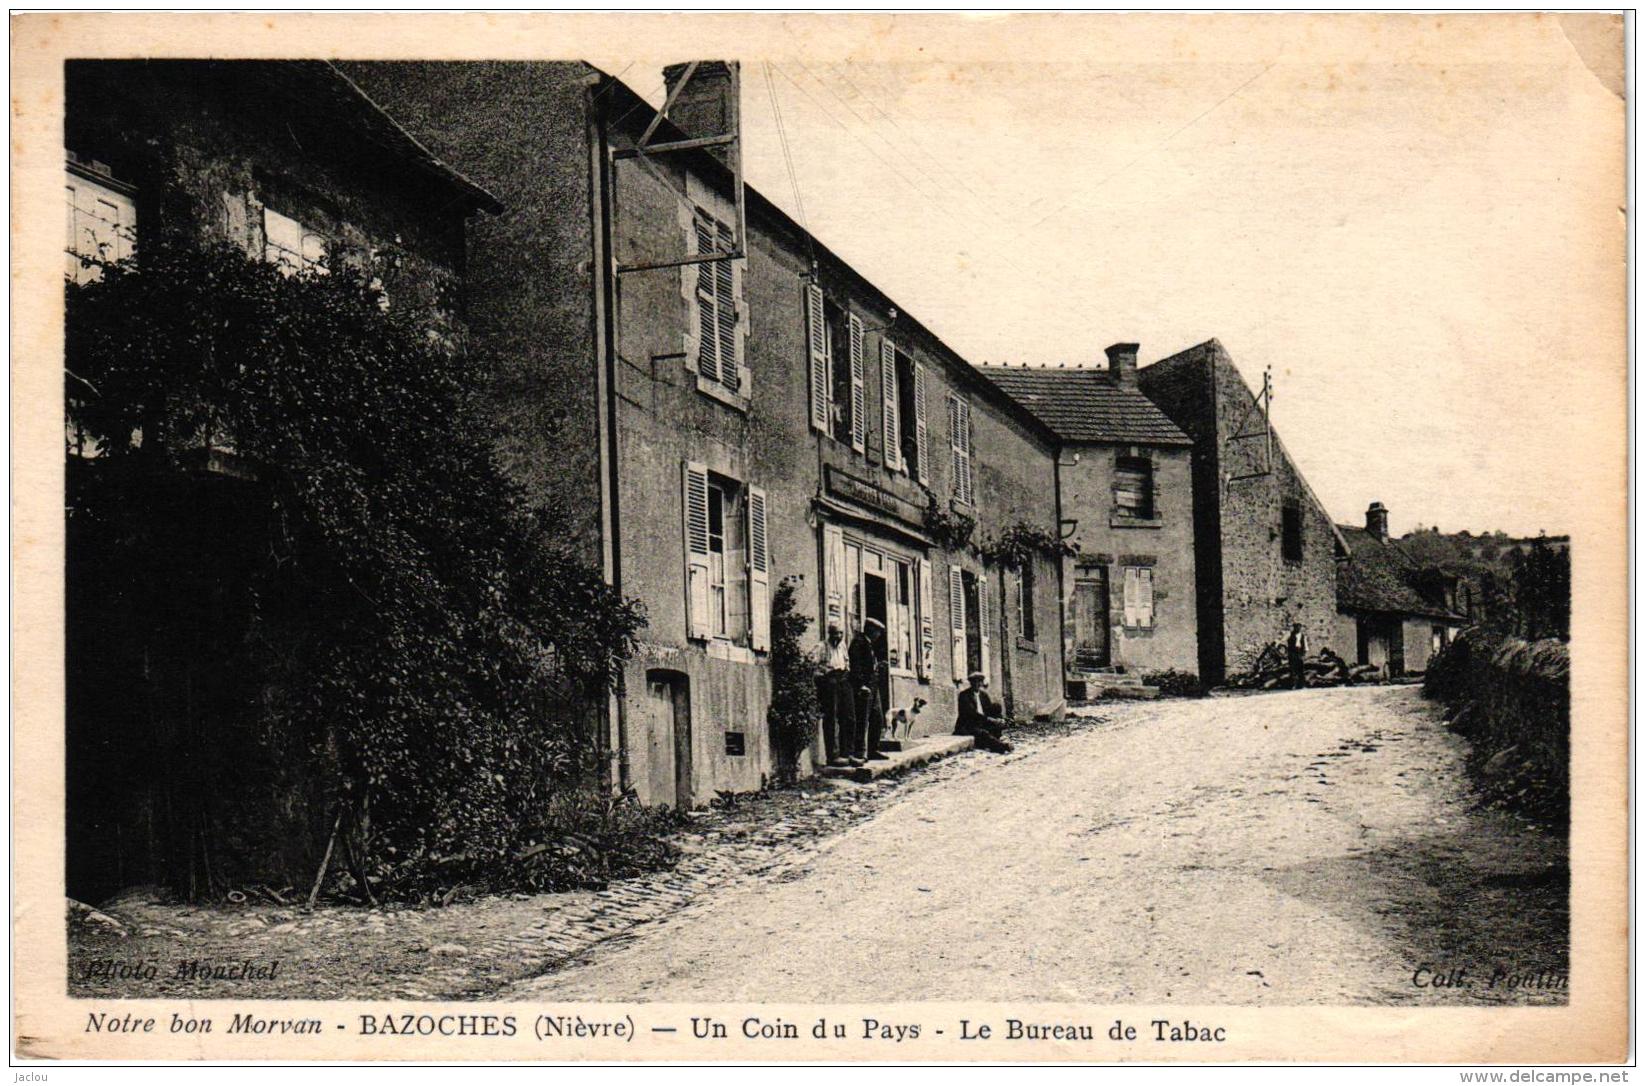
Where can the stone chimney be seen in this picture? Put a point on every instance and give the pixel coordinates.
(1376, 521)
(707, 106)
(1122, 364)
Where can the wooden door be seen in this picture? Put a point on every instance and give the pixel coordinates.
(1091, 620)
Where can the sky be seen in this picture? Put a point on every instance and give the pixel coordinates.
(1415, 222)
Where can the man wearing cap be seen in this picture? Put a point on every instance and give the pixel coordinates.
(867, 673)
(980, 716)
(838, 708)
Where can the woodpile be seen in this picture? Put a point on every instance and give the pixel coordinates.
(1270, 671)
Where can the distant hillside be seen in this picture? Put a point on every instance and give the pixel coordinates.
(1431, 547)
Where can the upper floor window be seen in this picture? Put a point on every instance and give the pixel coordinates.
(717, 345)
(959, 444)
(291, 246)
(102, 222)
(1291, 531)
(1134, 487)
(834, 349)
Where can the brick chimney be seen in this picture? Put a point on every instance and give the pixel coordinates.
(706, 106)
(1376, 521)
(1122, 364)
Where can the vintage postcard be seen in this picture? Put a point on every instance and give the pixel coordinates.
(821, 537)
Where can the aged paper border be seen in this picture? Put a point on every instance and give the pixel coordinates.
(49, 1025)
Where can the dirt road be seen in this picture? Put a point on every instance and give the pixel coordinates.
(1312, 847)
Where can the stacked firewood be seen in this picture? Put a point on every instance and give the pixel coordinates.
(1271, 671)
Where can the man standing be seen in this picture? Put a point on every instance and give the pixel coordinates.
(838, 709)
(867, 673)
(980, 717)
(1296, 651)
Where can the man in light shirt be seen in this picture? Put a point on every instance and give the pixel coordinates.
(834, 691)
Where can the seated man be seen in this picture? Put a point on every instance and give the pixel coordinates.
(980, 717)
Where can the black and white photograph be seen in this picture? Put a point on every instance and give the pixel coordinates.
(1091, 512)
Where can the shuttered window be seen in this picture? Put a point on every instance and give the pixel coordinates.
(924, 653)
(759, 573)
(922, 442)
(1139, 596)
(698, 624)
(816, 340)
(727, 559)
(890, 405)
(959, 441)
(717, 306)
(859, 389)
(1134, 487)
(956, 620)
(985, 623)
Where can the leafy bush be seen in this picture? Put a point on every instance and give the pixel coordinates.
(795, 707)
(428, 645)
(1174, 684)
(1511, 699)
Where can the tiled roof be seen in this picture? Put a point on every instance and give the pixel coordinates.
(1379, 576)
(1082, 404)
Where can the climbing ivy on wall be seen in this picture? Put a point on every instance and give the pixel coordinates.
(434, 642)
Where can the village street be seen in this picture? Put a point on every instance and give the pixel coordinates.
(1312, 847)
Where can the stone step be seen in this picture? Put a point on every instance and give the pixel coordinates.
(915, 752)
(1127, 693)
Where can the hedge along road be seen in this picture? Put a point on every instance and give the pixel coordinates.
(1321, 846)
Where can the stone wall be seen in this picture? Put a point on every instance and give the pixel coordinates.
(1248, 484)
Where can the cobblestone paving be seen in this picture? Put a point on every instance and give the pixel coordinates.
(472, 949)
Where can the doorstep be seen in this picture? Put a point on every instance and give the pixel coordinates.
(914, 752)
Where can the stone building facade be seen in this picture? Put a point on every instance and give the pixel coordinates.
(1266, 550)
(1390, 611)
(724, 424)
(1126, 504)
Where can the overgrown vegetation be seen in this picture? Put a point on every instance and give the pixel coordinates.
(1511, 699)
(948, 528)
(392, 656)
(795, 707)
(1021, 543)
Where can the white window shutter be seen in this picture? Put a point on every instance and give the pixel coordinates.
(696, 550)
(708, 316)
(1145, 597)
(924, 651)
(889, 407)
(970, 458)
(959, 444)
(956, 620)
(1130, 595)
(859, 393)
(816, 339)
(985, 619)
(725, 310)
(922, 444)
(759, 573)
(833, 540)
